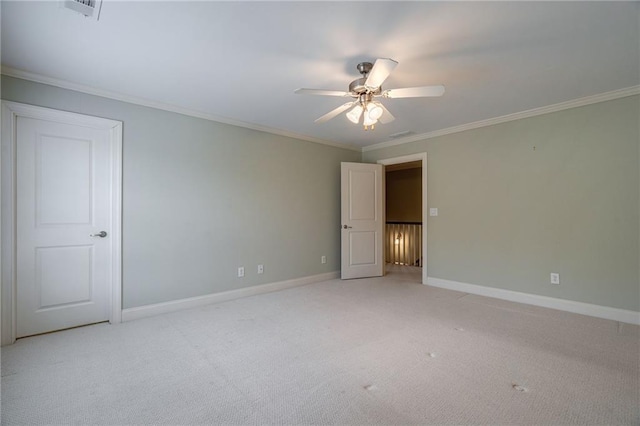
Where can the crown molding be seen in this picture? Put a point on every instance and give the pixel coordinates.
(588, 100)
(37, 78)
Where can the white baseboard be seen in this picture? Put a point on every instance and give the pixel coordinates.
(192, 302)
(606, 312)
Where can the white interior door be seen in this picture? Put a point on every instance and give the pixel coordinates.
(362, 220)
(63, 203)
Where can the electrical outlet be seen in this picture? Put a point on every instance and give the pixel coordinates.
(323, 259)
(241, 272)
(555, 278)
(433, 211)
(260, 269)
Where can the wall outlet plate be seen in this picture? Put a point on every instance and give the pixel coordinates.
(260, 269)
(323, 259)
(555, 278)
(240, 271)
(433, 211)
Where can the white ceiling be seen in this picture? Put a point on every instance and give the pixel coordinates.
(242, 61)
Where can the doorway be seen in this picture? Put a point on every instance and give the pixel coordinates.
(406, 213)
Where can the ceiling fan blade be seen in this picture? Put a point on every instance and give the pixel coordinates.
(414, 92)
(386, 116)
(380, 71)
(328, 116)
(321, 92)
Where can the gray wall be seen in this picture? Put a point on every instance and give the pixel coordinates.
(404, 195)
(201, 198)
(553, 193)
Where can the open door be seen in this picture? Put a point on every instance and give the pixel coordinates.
(362, 220)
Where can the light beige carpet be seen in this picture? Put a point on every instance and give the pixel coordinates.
(384, 350)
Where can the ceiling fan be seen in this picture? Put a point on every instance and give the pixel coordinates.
(366, 89)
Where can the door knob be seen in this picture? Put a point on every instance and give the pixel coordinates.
(347, 227)
(100, 234)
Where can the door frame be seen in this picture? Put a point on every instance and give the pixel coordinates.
(422, 156)
(10, 113)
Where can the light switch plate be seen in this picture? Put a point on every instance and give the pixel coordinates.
(433, 211)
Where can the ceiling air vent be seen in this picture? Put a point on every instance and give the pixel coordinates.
(401, 134)
(89, 8)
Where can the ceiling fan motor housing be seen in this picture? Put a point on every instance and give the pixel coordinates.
(357, 86)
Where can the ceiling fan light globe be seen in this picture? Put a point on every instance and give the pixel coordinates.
(368, 121)
(355, 114)
(374, 111)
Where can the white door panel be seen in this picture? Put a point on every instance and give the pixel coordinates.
(63, 276)
(362, 196)
(362, 220)
(63, 181)
(63, 198)
(363, 248)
